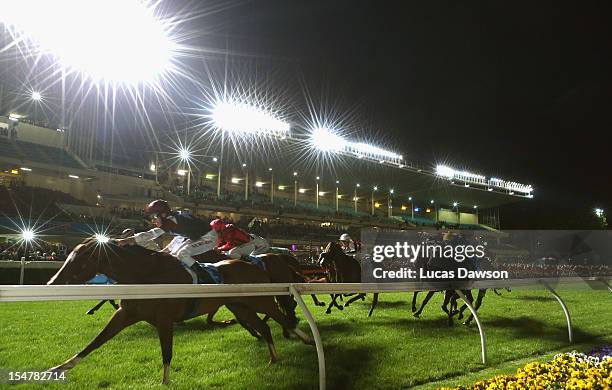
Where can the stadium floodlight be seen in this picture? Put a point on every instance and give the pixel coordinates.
(295, 173)
(372, 151)
(410, 198)
(431, 201)
(238, 117)
(475, 206)
(101, 238)
(455, 204)
(184, 154)
(325, 140)
(391, 191)
(259, 184)
(26, 169)
(27, 235)
(375, 188)
(73, 176)
(36, 96)
(444, 171)
(599, 212)
(118, 41)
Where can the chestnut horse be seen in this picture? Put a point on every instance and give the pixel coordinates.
(280, 268)
(136, 265)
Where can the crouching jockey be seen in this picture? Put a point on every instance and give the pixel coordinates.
(236, 243)
(199, 238)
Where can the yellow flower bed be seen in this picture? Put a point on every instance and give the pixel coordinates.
(566, 371)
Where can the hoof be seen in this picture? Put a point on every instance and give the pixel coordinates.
(416, 315)
(340, 307)
(414, 309)
(328, 311)
(321, 303)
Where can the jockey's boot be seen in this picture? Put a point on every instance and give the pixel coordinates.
(202, 275)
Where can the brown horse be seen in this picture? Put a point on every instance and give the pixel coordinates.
(136, 265)
(280, 268)
(341, 268)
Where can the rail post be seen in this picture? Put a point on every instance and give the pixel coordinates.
(483, 337)
(565, 310)
(315, 334)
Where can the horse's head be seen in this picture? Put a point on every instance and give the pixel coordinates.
(80, 266)
(329, 254)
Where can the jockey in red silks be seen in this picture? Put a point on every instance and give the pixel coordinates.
(194, 233)
(236, 242)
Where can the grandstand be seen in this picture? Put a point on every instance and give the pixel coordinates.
(48, 179)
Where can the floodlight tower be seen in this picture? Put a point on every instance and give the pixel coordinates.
(185, 157)
(295, 189)
(374, 189)
(355, 199)
(337, 195)
(317, 191)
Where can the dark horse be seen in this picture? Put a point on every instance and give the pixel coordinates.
(136, 265)
(341, 268)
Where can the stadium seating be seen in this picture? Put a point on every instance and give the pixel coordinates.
(46, 154)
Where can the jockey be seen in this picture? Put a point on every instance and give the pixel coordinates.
(199, 238)
(347, 244)
(236, 242)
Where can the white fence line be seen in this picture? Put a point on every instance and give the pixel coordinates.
(22, 293)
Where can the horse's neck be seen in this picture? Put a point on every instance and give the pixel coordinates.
(144, 268)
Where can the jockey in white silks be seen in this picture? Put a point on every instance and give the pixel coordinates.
(199, 237)
(347, 244)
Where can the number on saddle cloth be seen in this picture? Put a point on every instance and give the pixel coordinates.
(255, 261)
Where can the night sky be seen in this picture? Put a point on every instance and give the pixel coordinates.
(516, 89)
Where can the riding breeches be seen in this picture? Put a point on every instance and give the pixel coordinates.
(257, 246)
(189, 248)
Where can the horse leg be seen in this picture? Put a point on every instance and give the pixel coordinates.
(114, 304)
(247, 316)
(477, 304)
(287, 323)
(211, 322)
(95, 308)
(429, 295)
(333, 303)
(374, 303)
(316, 301)
(165, 332)
(449, 298)
(414, 301)
(355, 298)
(121, 319)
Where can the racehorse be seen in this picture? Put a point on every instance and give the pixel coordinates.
(341, 268)
(281, 268)
(137, 265)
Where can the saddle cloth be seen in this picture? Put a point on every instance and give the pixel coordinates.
(214, 277)
(255, 261)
